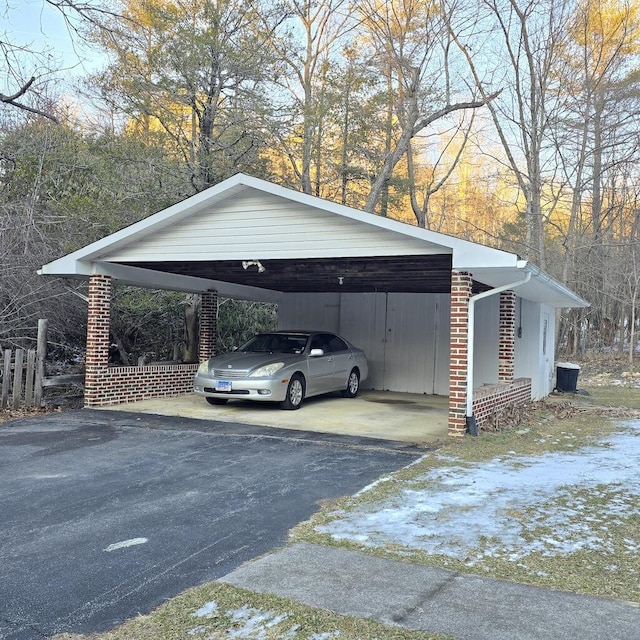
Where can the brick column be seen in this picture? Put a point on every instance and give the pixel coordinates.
(461, 283)
(208, 325)
(97, 354)
(507, 345)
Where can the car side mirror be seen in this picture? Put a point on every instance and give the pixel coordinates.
(315, 353)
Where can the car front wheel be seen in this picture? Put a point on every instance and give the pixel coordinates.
(353, 385)
(295, 393)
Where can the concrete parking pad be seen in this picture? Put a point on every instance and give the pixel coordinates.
(403, 417)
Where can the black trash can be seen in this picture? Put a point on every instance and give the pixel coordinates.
(567, 377)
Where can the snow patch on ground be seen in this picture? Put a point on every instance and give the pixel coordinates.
(508, 507)
(207, 610)
(250, 623)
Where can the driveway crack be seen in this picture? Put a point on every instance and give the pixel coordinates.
(401, 616)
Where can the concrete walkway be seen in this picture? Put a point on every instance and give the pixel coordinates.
(417, 597)
(402, 417)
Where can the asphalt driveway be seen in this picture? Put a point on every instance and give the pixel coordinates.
(104, 515)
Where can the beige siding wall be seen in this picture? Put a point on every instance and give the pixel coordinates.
(405, 336)
(309, 311)
(486, 336)
(281, 229)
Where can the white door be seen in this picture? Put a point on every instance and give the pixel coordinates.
(405, 337)
(363, 323)
(411, 339)
(546, 381)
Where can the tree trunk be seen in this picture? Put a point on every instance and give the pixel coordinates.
(122, 352)
(191, 329)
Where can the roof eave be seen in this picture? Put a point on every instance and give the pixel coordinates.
(134, 276)
(541, 287)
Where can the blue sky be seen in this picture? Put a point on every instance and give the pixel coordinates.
(36, 24)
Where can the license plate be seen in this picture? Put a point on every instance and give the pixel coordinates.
(223, 385)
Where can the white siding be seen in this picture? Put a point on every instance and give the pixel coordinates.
(486, 341)
(405, 336)
(547, 372)
(264, 226)
(534, 356)
(411, 343)
(442, 341)
(309, 311)
(363, 323)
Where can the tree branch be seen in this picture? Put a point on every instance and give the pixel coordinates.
(13, 101)
(408, 132)
(450, 108)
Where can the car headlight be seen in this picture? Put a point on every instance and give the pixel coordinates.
(204, 367)
(267, 371)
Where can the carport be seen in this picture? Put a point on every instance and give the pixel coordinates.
(435, 314)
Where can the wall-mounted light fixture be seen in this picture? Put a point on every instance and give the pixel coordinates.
(253, 263)
(340, 279)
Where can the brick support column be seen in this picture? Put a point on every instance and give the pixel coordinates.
(208, 325)
(507, 345)
(97, 354)
(461, 283)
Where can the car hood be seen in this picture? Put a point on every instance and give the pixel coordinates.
(247, 361)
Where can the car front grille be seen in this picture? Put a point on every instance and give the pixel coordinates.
(238, 392)
(228, 374)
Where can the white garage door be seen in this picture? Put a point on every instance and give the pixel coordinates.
(405, 336)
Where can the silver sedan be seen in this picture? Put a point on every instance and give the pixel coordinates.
(284, 367)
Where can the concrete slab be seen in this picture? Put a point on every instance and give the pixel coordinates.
(417, 597)
(403, 417)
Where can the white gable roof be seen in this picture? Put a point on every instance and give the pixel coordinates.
(244, 217)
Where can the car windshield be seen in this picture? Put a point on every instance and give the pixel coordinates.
(275, 343)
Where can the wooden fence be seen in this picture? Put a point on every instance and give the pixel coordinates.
(19, 379)
(22, 371)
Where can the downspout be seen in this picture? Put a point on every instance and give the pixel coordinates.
(472, 427)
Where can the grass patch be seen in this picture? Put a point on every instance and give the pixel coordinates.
(217, 611)
(595, 532)
(624, 396)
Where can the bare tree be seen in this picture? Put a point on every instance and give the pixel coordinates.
(306, 49)
(597, 149)
(28, 70)
(23, 90)
(524, 39)
(409, 42)
(439, 169)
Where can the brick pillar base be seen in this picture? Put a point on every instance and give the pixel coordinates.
(507, 345)
(208, 325)
(97, 355)
(461, 284)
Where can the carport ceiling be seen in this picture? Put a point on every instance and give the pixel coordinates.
(401, 274)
